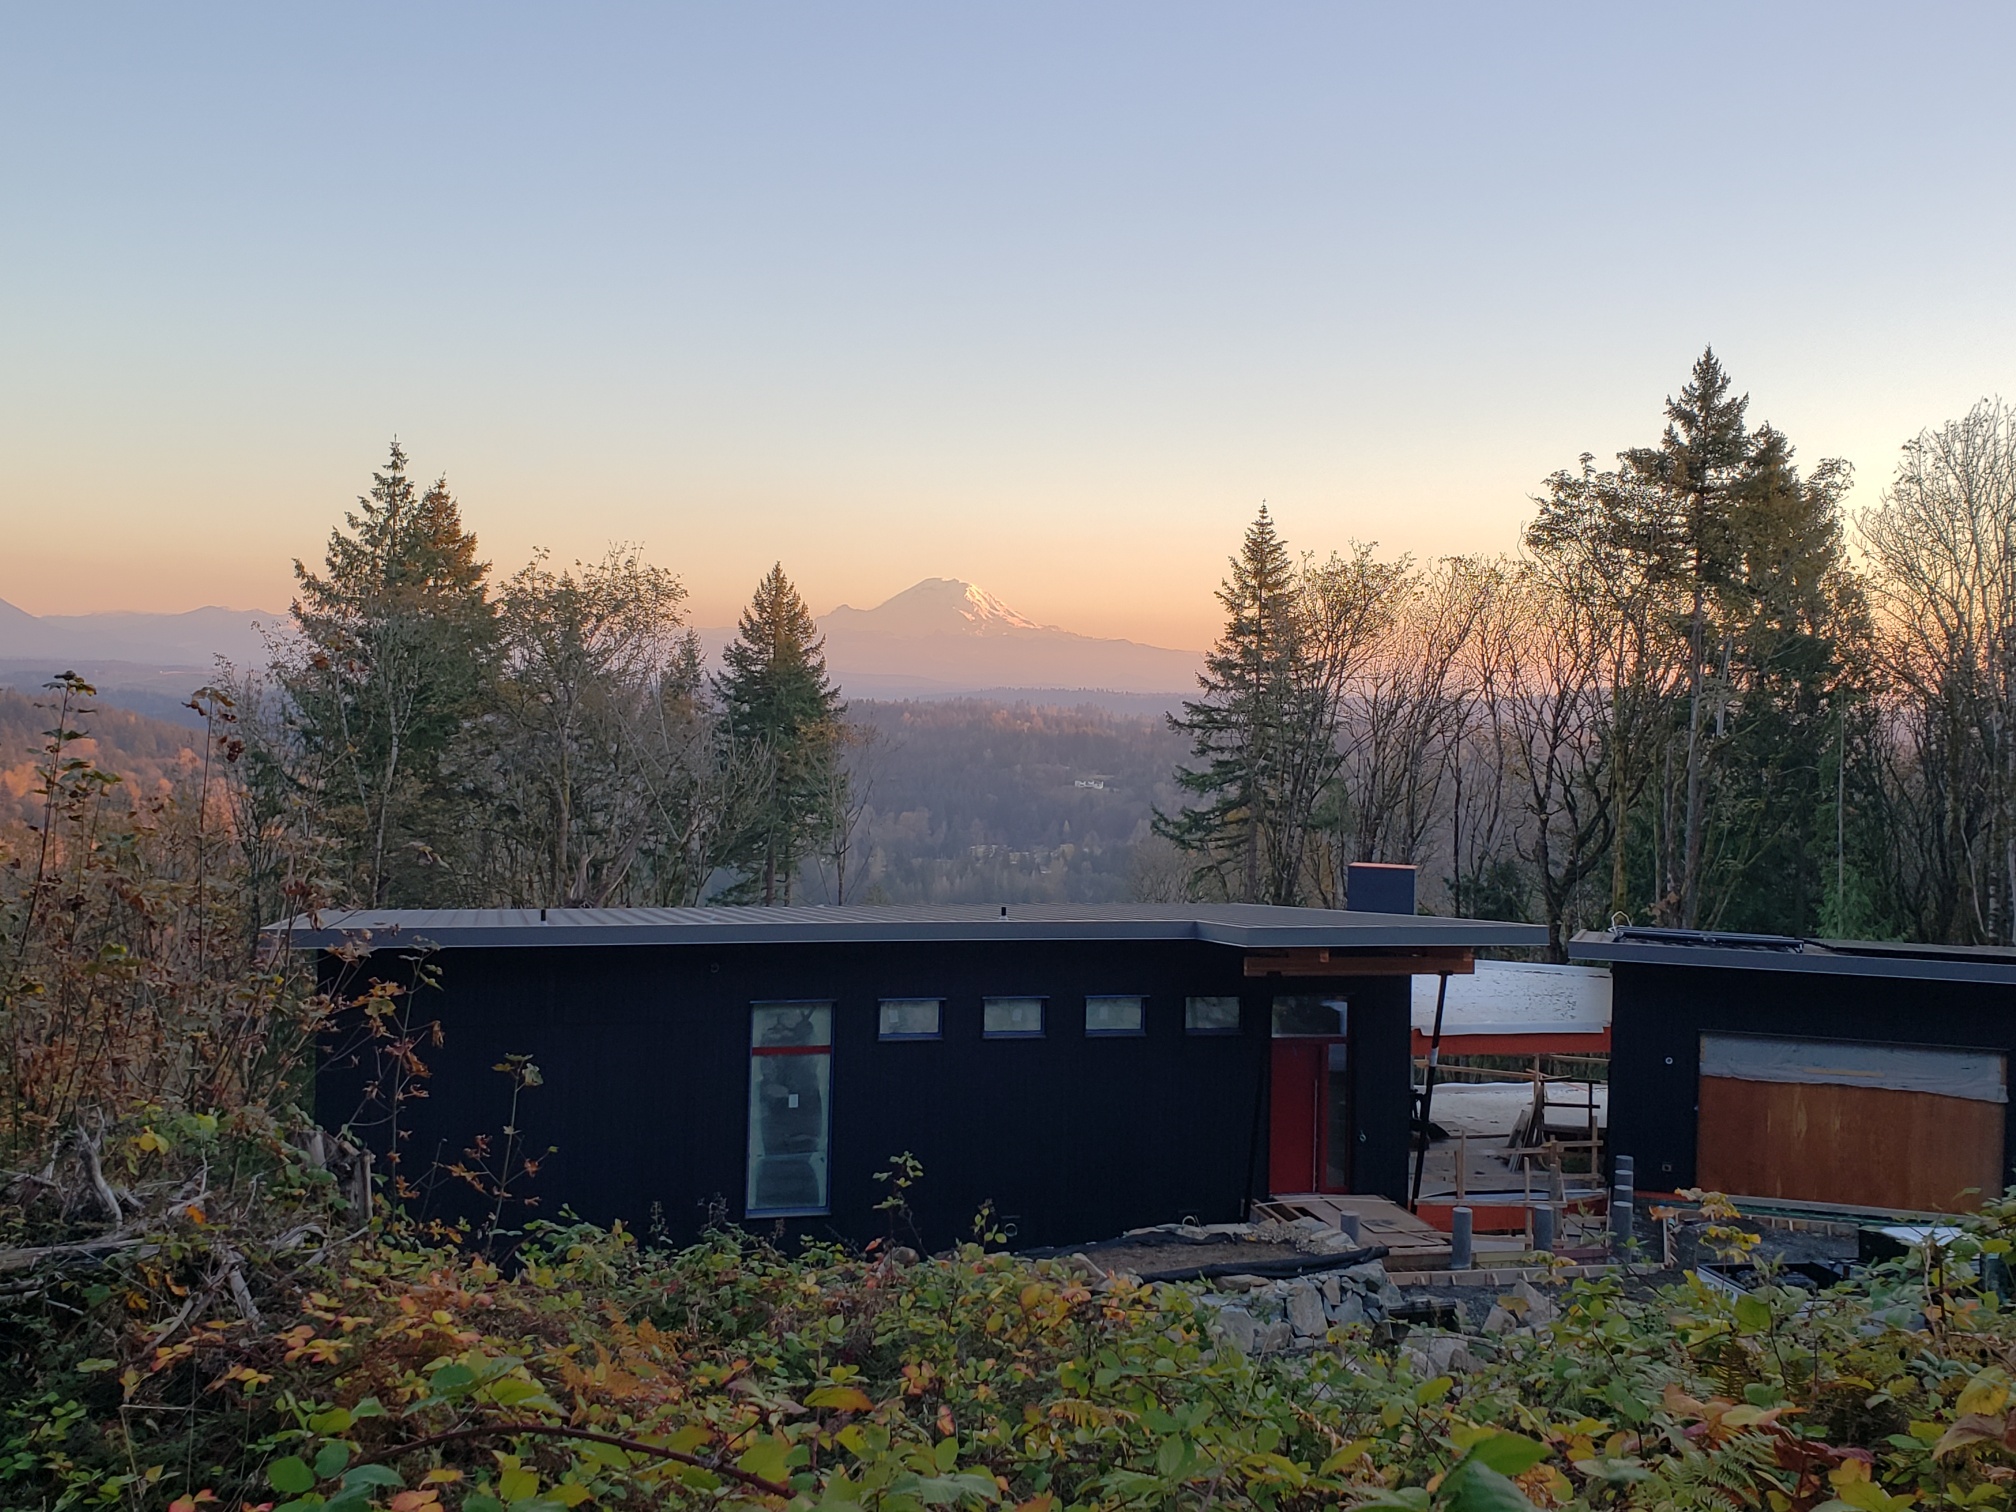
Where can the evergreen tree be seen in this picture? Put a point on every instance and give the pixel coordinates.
(1699, 465)
(780, 709)
(1242, 730)
(394, 647)
(1722, 572)
(1796, 633)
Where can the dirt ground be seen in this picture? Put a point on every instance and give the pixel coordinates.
(1476, 1302)
(1146, 1254)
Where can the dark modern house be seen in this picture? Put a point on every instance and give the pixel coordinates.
(1085, 1069)
(1828, 1071)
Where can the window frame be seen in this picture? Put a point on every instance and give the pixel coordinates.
(758, 1053)
(884, 1036)
(1338, 1002)
(1191, 1026)
(1042, 1016)
(1140, 1002)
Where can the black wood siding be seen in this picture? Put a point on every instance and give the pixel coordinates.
(645, 1055)
(1659, 1014)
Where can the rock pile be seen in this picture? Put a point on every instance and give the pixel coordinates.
(1271, 1313)
(1258, 1316)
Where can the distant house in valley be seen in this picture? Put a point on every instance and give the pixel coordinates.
(1084, 1069)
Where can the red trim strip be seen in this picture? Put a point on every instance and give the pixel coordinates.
(791, 1050)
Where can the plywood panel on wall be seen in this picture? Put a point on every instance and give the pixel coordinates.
(1861, 1146)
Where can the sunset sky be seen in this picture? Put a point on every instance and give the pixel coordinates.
(1044, 296)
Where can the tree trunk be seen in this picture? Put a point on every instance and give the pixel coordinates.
(1690, 850)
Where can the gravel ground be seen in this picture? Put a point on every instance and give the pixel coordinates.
(1476, 1302)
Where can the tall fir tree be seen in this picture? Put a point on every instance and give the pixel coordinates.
(394, 647)
(1699, 466)
(1241, 728)
(1729, 570)
(779, 705)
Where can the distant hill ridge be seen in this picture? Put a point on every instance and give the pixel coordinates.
(191, 639)
(939, 636)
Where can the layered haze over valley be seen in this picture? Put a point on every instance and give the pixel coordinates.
(1006, 760)
(942, 637)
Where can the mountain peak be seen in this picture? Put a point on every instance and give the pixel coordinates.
(936, 606)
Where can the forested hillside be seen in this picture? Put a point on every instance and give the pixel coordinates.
(150, 755)
(973, 801)
(959, 801)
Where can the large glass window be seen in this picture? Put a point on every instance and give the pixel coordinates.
(1109, 1014)
(1308, 1013)
(790, 1103)
(1211, 1015)
(1011, 1017)
(911, 1018)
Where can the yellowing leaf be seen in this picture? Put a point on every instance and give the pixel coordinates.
(1974, 1428)
(841, 1398)
(1466, 1436)
(516, 1484)
(1350, 1454)
(1867, 1496)
(765, 1458)
(1987, 1393)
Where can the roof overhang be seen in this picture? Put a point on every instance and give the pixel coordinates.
(1318, 961)
(1813, 958)
(1238, 926)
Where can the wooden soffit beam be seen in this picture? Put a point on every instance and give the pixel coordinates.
(1316, 961)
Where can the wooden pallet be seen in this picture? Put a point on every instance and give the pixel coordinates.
(1412, 1244)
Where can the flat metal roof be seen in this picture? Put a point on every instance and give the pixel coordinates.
(1247, 926)
(1992, 964)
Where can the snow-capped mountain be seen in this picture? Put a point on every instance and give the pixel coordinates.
(947, 635)
(936, 606)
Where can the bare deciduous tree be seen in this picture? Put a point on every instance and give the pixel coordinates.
(1942, 552)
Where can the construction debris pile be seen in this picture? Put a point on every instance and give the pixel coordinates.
(1266, 1317)
(1276, 1287)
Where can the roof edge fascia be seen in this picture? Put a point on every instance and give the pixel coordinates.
(1790, 963)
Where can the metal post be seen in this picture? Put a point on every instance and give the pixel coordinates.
(1461, 1250)
(1347, 1224)
(1543, 1228)
(1620, 1218)
(1428, 1093)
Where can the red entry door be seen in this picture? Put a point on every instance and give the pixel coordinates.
(1309, 1143)
(1295, 1143)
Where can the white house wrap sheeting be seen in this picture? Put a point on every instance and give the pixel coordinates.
(1977, 1075)
(1517, 997)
